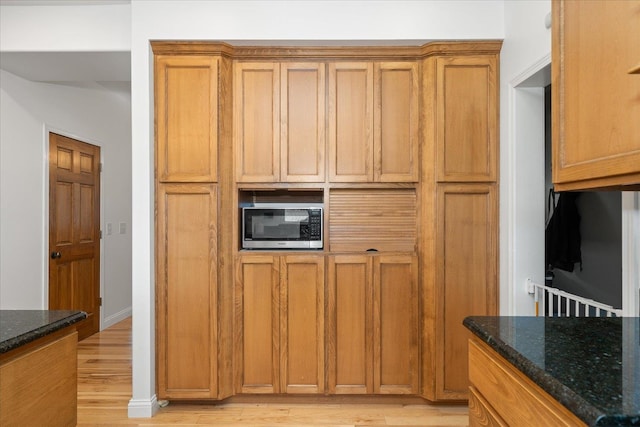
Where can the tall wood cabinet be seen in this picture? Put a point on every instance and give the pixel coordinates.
(460, 213)
(595, 94)
(400, 144)
(191, 269)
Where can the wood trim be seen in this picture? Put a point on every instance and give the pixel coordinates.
(318, 52)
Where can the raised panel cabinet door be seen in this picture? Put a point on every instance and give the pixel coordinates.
(351, 122)
(395, 324)
(186, 291)
(595, 94)
(349, 325)
(302, 103)
(302, 323)
(258, 324)
(396, 94)
(466, 276)
(186, 102)
(466, 90)
(256, 117)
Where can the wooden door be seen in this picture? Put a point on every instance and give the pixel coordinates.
(74, 229)
(302, 324)
(395, 324)
(186, 97)
(186, 276)
(396, 94)
(258, 324)
(466, 277)
(256, 115)
(595, 94)
(349, 329)
(351, 122)
(302, 103)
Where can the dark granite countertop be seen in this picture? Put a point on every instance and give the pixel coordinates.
(20, 327)
(590, 365)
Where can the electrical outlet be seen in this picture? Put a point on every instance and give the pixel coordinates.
(123, 227)
(109, 229)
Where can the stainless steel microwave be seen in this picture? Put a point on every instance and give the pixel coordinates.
(282, 226)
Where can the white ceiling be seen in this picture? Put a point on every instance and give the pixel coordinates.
(110, 70)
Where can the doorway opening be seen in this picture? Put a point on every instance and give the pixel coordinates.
(597, 271)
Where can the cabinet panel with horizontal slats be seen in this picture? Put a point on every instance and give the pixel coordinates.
(382, 219)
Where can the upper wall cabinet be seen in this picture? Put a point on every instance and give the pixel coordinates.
(373, 121)
(466, 119)
(279, 113)
(595, 93)
(186, 97)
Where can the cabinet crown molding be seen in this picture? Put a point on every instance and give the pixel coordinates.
(318, 52)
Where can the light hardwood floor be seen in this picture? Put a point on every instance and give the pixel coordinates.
(104, 390)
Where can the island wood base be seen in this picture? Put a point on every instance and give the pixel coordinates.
(38, 382)
(500, 395)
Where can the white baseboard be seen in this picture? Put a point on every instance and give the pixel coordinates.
(143, 408)
(115, 318)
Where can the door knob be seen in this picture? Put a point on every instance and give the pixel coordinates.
(55, 255)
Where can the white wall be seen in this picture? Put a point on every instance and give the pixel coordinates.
(100, 117)
(257, 20)
(526, 48)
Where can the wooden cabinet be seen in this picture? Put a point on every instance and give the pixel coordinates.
(279, 116)
(466, 277)
(373, 121)
(186, 97)
(372, 332)
(460, 190)
(280, 321)
(39, 381)
(595, 94)
(466, 119)
(500, 395)
(402, 144)
(186, 278)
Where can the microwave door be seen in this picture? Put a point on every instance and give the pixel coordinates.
(274, 228)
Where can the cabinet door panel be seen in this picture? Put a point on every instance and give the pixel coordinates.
(395, 306)
(466, 119)
(349, 333)
(466, 276)
(257, 310)
(302, 324)
(302, 102)
(396, 122)
(596, 102)
(351, 122)
(256, 111)
(187, 279)
(186, 97)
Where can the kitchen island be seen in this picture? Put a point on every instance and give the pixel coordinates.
(38, 367)
(554, 371)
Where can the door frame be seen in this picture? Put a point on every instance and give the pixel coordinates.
(45, 217)
(522, 100)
